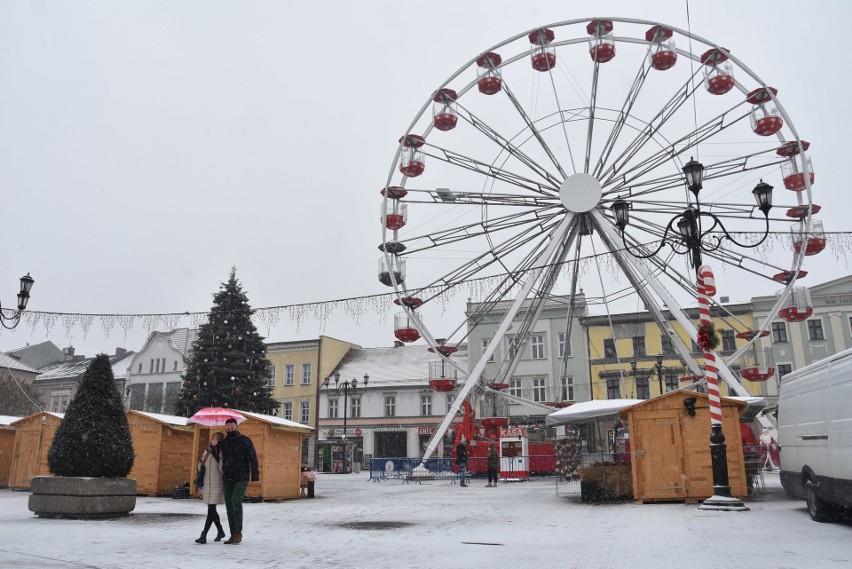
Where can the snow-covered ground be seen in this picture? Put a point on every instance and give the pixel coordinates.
(357, 523)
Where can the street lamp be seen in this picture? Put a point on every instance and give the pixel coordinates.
(658, 367)
(346, 389)
(23, 298)
(689, 237)
(692, 240)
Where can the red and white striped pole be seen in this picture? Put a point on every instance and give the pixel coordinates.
(721, 499)
(706, 289)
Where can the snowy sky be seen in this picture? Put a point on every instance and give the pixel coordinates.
(148, 147)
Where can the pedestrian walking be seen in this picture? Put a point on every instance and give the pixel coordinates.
(493, 464)
(767, 443)
(461, 461)
(212, 493)
(239, 464)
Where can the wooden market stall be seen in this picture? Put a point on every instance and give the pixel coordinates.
(7, 448)
(33, 436)
(670, 447)
(163, 446)
(278, 443)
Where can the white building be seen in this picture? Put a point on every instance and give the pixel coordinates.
(153, 379)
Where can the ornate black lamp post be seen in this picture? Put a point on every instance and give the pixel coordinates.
(346, 389)
(23, 298)
(692, 239)
(658, 368)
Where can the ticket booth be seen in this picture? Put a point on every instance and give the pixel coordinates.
(514, 453)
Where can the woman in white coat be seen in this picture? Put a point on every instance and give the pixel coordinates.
(211, 492)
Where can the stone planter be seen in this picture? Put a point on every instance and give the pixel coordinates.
(82, 498)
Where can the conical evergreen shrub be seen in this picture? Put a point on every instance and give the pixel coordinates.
(94, 437)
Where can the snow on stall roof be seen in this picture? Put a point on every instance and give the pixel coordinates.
(170, 419)
(57, 415)
(589, 410)
(6, 420)
(275, 420)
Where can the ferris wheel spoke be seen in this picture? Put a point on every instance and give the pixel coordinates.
(490, 171)
(472, 231)
(447, 196)
(675, 149)
(530, 124)
(669, 109)
(593, 99)
(506, 144)
(632, 95)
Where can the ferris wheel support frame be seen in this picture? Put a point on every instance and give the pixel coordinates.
(474, 377)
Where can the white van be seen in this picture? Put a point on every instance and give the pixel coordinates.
(815, 434)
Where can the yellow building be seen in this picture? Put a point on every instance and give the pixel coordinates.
(619, 341)
(298, 371)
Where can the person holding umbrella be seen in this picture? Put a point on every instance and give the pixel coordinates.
(211, 492)
(239, 463)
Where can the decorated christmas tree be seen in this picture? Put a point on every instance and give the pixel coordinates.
(228, 366)
(93, 438)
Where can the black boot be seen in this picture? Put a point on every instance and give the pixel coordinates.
(220, 534)
(202, 539)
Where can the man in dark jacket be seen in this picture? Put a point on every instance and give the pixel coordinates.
(461, 460)
(239, 462)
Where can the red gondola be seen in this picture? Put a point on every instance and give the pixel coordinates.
(411, 160)
(718, 74)
(601, 44)
(749, 334)
(444, 112)
(754, 374)
(765, 120)
(663, 54)
(489, 82)
(543, 55)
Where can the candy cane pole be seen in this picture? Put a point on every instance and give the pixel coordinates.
(721, 499)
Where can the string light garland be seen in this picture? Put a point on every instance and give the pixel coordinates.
(266, 318)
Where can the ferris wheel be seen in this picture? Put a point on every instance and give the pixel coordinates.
(608, 141)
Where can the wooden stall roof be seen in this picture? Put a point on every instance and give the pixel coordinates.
(278, 422)
(59, 416)
(661, 401)
(7, 420)
(170, 420)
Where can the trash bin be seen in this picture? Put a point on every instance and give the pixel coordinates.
(590, 491)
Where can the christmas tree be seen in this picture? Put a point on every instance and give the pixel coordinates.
(228, 366)
(93, 438)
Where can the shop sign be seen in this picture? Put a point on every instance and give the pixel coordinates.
(513, 432)
(425, 430)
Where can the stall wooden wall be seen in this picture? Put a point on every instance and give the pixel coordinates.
(7, 451)
(33, 436)
(162, 449)
(670, 449)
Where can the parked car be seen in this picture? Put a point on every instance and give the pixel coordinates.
(815, 434)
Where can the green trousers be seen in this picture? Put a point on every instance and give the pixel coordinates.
(234, 494)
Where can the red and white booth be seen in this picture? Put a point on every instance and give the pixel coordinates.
(514, 453)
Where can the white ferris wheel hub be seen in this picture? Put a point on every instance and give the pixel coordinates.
(580, 193)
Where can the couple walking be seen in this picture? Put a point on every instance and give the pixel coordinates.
(229, 462)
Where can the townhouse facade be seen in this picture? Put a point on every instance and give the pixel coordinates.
(154, 376)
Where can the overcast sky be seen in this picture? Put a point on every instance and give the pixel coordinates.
(148, 147)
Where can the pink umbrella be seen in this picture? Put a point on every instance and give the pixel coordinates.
(211, 416)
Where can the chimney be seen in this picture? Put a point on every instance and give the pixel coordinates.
(120, 352)
(397, 344)
(69, 353)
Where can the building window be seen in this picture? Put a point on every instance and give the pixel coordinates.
(779, 332)
(729, 340)
(270, 372)
(175, 368)
(563, 346)
(288, 411)
(643, 388)
(151, 368)
(666, 344)
(172, 396)
(671, 382)
(815, 330)
(539, 392)
(355, 407)
(567, 389)
(609, 347)
(638, 346)
(139, 370)
(485, 342)
(450, 399)
(332, 408)
(425, 405)
(513, 346)
(784, 369)
(306, 374)
(289, 374)
(305, 412)
(537, 346)
(515, 387)
(613, 391)
(390, 405)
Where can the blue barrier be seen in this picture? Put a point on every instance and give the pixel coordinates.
(403, 469)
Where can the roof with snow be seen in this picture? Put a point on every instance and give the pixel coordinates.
(393, 364)
(275, 420)
(6, 420)
(168, 419)
(13, 364)
(74, 369)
